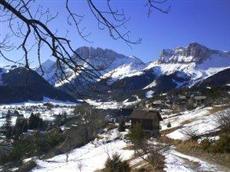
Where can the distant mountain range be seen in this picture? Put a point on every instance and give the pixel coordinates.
(175, 68)
(121, 76)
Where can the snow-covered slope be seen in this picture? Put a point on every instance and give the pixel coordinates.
(49, 71)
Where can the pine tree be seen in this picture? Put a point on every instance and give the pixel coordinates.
(121, 126)
(137, 136)
(8, 125)
(20, 126)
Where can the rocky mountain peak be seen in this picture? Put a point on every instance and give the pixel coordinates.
(197, 50)
(194, 52)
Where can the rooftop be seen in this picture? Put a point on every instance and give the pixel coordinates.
(145, 114)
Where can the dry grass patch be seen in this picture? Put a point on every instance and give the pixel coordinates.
(219, 108)
(187, 121)
(218, 158)
(192, 148)
(129, 147)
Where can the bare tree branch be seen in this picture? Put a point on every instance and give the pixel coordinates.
(31, 26)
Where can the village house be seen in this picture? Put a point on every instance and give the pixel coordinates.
(149, 120)
(199, 99)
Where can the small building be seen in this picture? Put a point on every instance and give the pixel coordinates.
(149, 120)
(200, 99)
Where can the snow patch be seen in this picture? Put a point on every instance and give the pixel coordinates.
(149, 94)
(152, 84)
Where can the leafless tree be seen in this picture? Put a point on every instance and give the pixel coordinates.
(190, 133)
(224, 120)
(29, 22)
(152, 154)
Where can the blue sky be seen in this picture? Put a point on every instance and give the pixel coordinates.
(203, 21)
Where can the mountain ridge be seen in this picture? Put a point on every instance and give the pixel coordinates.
(21, 84)
(179, 67)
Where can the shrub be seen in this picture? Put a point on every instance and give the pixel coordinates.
(115, 164)
(28, 166)
(18, 151)
(121, 126)
(35, 121)
(5, 149)
(169, 125)
(60, 119)
(36, 144)
(191, 134)
(222, 145)
(7, 127)
(155, 159)
(224, 122)
(54, 137)
(20, 126)
(206, 144)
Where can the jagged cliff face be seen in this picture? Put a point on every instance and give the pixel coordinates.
(193, 53)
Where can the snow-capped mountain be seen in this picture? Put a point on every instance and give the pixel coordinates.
(175, 68)
(49, 71)
(108, 64)
(194, 52)
(195, 61)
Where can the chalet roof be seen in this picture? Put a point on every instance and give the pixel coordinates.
(157, 102)
(200, 97)
(182, 97)
(145, 114)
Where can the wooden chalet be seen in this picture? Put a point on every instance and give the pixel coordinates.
(149, 120)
